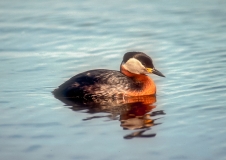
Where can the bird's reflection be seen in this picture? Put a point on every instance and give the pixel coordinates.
(134, 113)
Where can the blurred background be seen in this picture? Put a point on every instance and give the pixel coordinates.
(44, 43)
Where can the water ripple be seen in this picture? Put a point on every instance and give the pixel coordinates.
(44, 43)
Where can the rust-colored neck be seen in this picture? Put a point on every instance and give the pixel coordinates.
(149, 87)
(127, 73)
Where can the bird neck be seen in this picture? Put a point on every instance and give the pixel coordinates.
(138, 77)
(148, 85)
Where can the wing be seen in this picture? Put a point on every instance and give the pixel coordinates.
(99, 82)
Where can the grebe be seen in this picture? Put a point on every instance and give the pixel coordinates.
(130, 81)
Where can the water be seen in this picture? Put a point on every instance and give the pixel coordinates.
(44, 43)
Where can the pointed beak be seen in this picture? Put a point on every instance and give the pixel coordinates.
(155, 71)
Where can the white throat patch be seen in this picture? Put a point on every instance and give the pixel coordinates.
(135, 66)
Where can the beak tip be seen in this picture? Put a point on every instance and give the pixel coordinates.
(158, 73)
(162, 76)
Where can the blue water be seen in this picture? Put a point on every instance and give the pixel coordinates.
(44, 43)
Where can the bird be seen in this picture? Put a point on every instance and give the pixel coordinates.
(131, 81)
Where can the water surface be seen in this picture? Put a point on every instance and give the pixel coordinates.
(44, 43)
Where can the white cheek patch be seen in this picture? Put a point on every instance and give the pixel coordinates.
(134, 66)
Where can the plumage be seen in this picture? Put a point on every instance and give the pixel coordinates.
(131, 80)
